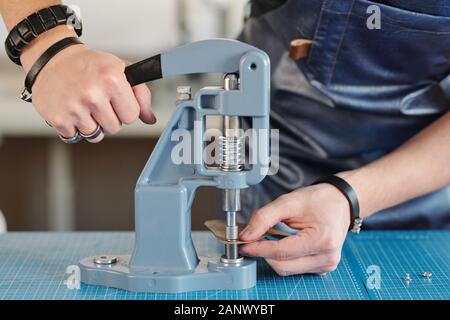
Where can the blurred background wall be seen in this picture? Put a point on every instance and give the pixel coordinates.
(46, 185)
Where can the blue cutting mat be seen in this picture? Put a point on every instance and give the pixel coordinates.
(32, 266)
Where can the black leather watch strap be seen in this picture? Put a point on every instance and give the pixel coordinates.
(37, 23)
(42, 62)
(347, 190)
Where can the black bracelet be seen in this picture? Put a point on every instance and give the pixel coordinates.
(350, 194)
(26, 94)
(37, 23)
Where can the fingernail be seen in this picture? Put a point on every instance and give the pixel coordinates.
(246, 233)
(152, 119)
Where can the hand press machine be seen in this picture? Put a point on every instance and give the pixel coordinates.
(164, 258)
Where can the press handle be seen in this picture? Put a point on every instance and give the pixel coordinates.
(144, 71)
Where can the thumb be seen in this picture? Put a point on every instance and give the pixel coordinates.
(143, 96)
(265, 218)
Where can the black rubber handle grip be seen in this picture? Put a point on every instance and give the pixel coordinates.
(144, 71)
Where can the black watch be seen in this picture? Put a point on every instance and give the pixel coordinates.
(37, 23)
(347, 190)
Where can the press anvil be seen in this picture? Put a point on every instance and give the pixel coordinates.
(164, 258)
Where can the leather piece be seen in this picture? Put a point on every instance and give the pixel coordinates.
(217, 227)
(299, 49)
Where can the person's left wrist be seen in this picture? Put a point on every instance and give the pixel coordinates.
(344, 208)
(358, 180)
(341, 207)
(35, 49)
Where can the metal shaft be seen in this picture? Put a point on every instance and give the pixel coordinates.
(231, 206)
(231, 160)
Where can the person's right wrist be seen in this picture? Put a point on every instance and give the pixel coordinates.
(38, 46)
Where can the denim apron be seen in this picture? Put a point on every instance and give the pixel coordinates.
(359, 94)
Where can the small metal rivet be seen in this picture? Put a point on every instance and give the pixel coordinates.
(408, 278)
(105, 260)
(184, 93)
(427, 274)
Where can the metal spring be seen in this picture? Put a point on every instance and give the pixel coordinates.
(231, 153)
